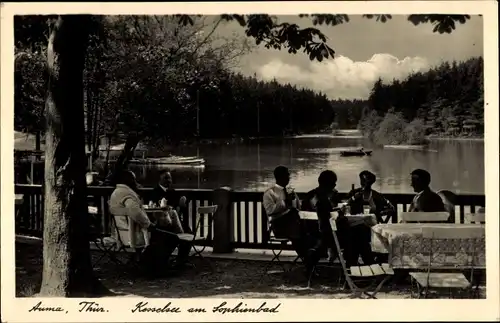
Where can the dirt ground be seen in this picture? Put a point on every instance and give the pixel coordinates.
(229, 279)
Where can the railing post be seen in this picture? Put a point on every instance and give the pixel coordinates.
(223, 221)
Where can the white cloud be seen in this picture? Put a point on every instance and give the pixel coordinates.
(342, 77)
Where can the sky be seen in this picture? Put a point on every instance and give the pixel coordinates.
(365, 50)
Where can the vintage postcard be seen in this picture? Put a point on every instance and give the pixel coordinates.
(249, 161)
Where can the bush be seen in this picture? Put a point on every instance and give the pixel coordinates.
(369, 124)
(415, 132)
(391, 130)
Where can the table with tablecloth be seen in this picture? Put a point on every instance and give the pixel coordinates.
(406, 248)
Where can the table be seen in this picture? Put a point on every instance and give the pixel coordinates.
(354, 219)
(403, 243)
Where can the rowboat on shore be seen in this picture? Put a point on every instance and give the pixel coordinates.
(357, 152)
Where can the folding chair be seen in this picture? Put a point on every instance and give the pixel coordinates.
(466, 239)
(362, 273)
(423, 217)
(195, 238)
(278, 246)
(113, 246)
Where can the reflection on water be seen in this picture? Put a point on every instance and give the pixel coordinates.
(454, 165)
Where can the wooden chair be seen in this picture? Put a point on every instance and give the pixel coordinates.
(439, 280)
(371, 273)
(113, 247)
(475, 217)
(423, 217)
(278, 245)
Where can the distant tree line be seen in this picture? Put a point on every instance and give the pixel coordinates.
(136, 64)
(447, 100)
(162, 81)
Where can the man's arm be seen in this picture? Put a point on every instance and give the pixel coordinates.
(137, 213)
(271, 206)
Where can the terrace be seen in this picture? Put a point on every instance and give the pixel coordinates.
(237, 243)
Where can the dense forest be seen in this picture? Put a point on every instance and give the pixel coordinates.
(447, 100)
(165, 82)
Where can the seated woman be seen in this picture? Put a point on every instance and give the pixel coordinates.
(365, 195)
(361, 234)
(137, 230)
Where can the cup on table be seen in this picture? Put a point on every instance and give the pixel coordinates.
(366, 209)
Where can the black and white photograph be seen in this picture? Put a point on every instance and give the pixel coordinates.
(244, 156)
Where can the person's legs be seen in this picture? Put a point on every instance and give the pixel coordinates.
(162, 244)
(287, 227)
(360, 242)
(364, 247)
(347, 242)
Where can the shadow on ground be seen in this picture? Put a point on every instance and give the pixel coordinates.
(229, 279)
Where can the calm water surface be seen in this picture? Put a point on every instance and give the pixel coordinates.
(455, 165)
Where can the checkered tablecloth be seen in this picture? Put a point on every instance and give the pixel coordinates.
(407, 249)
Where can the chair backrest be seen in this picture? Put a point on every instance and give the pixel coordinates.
(342, 261)
(210, 210)
(422, 217)
(475, 217)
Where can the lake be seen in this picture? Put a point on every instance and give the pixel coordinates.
(456, 165)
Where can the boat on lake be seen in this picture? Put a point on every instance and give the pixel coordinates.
(171, 160)
(355, 152)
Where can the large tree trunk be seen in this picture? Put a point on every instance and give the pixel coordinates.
(67, 269)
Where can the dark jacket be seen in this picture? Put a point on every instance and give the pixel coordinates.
(310, 200)
(427, 201)
(172, 196)
(381, 203)
(323, 204)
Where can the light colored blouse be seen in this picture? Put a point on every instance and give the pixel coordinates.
(130, 217)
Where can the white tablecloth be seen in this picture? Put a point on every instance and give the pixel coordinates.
(403, 243)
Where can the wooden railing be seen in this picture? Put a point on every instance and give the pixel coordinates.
(240, 220)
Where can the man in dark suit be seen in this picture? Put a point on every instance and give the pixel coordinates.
(174, 199)
(426, 200)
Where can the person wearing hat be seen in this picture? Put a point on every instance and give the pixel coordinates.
(360, 234)
(365, 195)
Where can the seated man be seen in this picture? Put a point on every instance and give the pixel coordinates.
(323, 199)
(425, 200)
(135, 228)
(164, 190)
(281, 207)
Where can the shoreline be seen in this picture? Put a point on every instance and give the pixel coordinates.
(456, 138)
